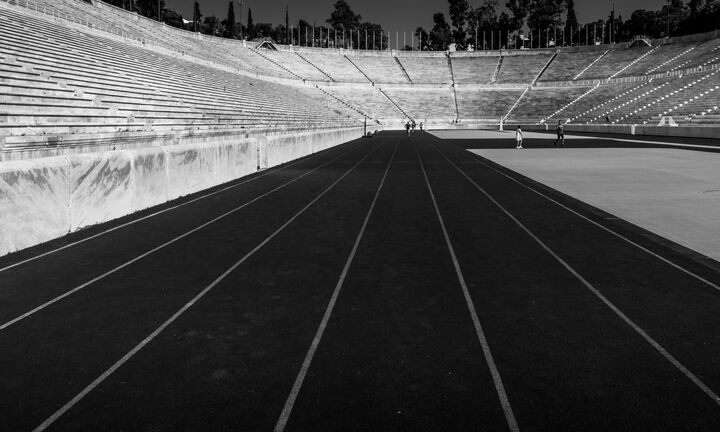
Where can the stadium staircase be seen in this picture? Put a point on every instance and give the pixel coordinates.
(256, 51)
(452, 86)
(572, 103)
(352, 107)
(670, 60)
(627, 66)
(497, 70)
(359, 70)
(315, 66)
(591, 65)
(512, 108)
(403, 69)
(394, 103)
(542, 71)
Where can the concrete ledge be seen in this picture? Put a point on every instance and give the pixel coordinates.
(45, 198)
(712, 132)
(680, 131)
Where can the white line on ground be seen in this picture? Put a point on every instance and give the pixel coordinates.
(151, 251)
(132, 222)
(662, 143)
(669, 357)
(497, 380)
(297, 385)
(620, 236)
(97, 381)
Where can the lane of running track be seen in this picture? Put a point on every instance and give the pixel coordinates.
(229, 362)
(94, 257)
(400, 350)
(568, 361)
(52, 355)
(677, 309)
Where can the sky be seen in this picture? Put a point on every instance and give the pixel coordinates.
(394, 15)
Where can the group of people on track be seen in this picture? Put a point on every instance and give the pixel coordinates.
(560, 129)
(411, 125)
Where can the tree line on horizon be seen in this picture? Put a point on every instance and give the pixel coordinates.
(524, 23)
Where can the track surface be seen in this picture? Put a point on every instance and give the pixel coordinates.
(397, 283)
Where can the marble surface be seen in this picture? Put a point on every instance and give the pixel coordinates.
(100, 187)
(150, 178)
(46, 198)
(34, 197)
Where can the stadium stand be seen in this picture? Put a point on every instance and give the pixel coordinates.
(485, 104)
(542, 102)
(79, 83)
(705, 54)
(424, 103)
(681, 97)
(475, 69)
(94, 68)
(380, 68)
(522, 68)
(336, 66)
(591, 106)
(369, 98)
(426, 69)
(614, 62)
(659, 55)
(569, 63)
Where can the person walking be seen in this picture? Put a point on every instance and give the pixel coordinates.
(560, 134)
(407, 127)
(413, 125)
(519, 138)
(421, 126)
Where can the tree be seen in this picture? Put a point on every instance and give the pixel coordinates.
(424, 39)
(545, 14)
(571, 22)
(440, 35)
(458, 16)
(287, 26)
(343, 17)
(519, 10)
(149, 8)
(250, 25)
(197, 16)
(211, 25)
(229, 22)
(263, 30)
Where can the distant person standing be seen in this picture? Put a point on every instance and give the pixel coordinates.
(519, 137)
(421, 126)
(560, 134)
(413, 125)
(407, 127)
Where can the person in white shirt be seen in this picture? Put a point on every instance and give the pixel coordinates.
(519, 138)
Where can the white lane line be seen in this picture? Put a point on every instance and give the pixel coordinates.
(97, 381)
(297, 385)
(669, 144)
(132, 222)
(620, 236)
(497, 380)
(151, 251)
(669, 357)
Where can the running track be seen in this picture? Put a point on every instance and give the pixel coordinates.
(393, 283)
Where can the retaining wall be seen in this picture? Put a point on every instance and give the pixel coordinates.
(46, 198)
(710, 132)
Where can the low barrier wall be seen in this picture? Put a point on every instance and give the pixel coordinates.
(709, 132)
(46, 198)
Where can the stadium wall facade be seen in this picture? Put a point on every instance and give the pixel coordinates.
(46, 198)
